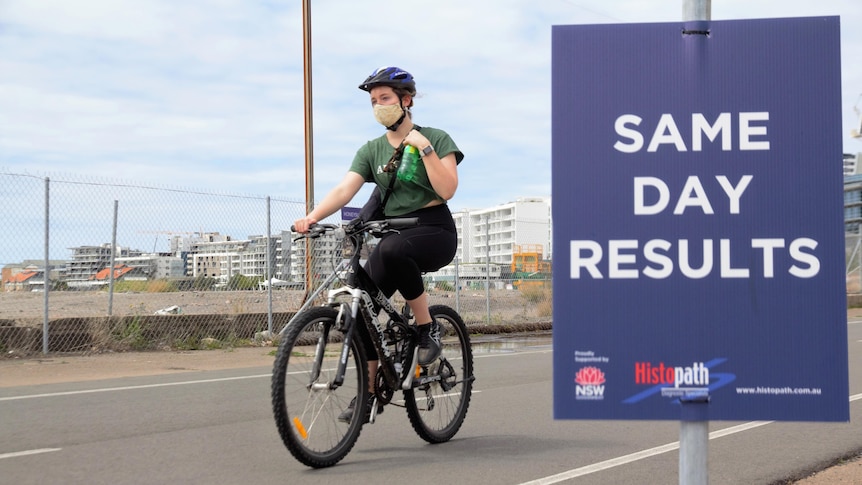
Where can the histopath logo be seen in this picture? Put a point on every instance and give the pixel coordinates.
(678, 381)
(590, 384)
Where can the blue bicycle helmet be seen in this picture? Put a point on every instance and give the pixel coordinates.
(389, 76)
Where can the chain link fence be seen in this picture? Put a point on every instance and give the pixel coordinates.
(94, 265)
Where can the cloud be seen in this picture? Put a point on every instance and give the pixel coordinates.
(211, 92)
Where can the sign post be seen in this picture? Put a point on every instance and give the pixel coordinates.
(694, 426)
(698, 213)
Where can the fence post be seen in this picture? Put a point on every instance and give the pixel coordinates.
(457, 288)
(45, 277)
(269, 276)
(113, 256)
(858, 244)
(488, 268)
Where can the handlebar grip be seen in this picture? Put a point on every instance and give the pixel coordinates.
(403, 222)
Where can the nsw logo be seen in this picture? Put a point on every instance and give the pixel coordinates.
(590, 384)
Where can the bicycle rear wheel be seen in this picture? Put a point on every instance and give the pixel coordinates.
(304, 402)
(437, 408)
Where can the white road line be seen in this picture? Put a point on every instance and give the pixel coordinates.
(510, 354)
(28, 452)
(640, 455)
(144, 386)
(128, 388)
(577, 472)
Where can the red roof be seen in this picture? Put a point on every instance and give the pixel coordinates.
(21, 277)
(119, 270)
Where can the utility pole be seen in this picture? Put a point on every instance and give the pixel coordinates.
(309, 135)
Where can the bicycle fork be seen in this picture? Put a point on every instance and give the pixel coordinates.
(347, 318)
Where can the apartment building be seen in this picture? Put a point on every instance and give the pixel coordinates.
(155, 266)
(852, 193)
(493, 234)
(485, 236)
(223, 257)
(87, 261)
(326, 254)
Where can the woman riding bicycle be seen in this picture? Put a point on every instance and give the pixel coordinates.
(398, 261)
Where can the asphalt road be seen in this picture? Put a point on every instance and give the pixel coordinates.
(217, 428)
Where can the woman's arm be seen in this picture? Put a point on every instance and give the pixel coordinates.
(337, 198)
(442, 172)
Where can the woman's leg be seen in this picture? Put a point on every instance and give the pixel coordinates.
(398, 262)
(429, 335)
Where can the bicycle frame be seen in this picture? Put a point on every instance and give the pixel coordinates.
(310, 299)
(366, 301)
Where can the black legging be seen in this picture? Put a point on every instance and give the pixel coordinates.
(398, 261)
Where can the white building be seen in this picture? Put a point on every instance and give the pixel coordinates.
(327, 253)
(155, 266)
(484, 235)
(492, 234)
(852, 163)
(89, 260)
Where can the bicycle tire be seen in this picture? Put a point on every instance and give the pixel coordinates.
(307, 416)
(435, 412)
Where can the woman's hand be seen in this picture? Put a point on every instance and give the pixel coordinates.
(416, 139)
(301, 225)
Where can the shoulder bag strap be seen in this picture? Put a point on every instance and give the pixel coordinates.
(397, 154)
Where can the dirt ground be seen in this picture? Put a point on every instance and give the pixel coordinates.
(28, 305)
(53, 369)
(507, 305)
(61, 368)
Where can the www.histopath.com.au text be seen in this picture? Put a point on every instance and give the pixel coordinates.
(798, 391)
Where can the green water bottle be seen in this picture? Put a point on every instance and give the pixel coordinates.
(409, 163)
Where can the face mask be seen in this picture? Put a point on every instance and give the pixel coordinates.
(388, 114)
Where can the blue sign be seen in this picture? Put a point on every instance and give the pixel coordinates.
(349, 213)
(698, 221)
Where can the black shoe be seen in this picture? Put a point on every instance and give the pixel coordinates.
(347, 414)
(429, 343)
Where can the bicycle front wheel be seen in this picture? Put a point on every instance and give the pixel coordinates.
(305, 403)
(438, 402)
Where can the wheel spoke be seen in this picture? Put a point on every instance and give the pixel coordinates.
(306, 411)
(438, 405)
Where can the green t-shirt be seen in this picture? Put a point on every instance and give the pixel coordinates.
(406, 196)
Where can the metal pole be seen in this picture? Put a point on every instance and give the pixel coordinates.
(694, 440)
(694, 425)
(696, 10)
(859, 265)
(113, 255)
(269, 276)
(457, 281)
(488, 267)
(309, 134)
(45, 277)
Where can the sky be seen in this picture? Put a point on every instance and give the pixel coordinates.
(211, 93)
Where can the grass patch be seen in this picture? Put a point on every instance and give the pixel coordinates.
(149, 286)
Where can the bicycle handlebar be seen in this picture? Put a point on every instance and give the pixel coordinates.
(402, 222)
(373, 227)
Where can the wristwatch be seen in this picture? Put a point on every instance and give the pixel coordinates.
(427, 150)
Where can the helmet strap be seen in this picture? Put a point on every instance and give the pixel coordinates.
(394, 126)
